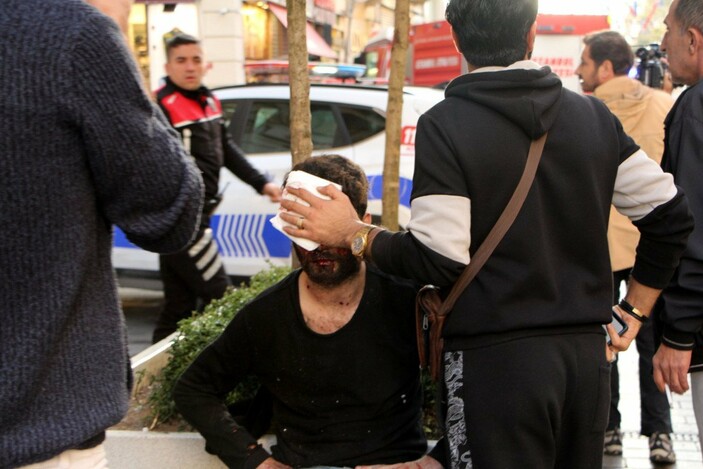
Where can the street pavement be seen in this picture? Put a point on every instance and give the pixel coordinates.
(141, 309)
(636, 447)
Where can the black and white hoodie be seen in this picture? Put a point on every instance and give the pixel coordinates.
(552, 269)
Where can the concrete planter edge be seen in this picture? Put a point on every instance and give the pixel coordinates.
(145, 449)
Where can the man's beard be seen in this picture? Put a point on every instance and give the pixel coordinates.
(329, 267)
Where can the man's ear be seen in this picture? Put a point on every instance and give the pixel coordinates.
(366, 218)
(605, 71)
(695, 37)
(530, 39)
(695, 40)
(455, 39)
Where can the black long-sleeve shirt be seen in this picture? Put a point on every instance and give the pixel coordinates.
(342, 399)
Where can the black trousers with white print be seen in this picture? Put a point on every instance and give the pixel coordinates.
(191, 278)
(533, 403)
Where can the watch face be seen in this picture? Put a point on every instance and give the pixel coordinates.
(357, 245)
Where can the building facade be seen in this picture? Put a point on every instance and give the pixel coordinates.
(235, 32)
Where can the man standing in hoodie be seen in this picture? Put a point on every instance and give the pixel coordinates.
(525, 367)
(605, 63)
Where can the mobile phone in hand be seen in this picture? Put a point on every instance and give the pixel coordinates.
(618, 323)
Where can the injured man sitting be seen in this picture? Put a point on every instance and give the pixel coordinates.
(333, 347)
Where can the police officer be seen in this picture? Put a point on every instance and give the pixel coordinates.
(196, 273)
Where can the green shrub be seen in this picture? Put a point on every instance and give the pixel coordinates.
(196, 332)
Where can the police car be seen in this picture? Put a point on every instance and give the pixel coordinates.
(346, 119)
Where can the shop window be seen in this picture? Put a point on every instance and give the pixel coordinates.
(137, 36)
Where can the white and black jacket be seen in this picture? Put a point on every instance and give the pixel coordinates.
(552, 269)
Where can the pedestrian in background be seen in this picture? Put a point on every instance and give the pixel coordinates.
(681, 305)
(82, 147)
(197, 274)
(606, 61)
(525, 367)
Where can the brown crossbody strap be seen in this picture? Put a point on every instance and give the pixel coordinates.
(500, 228)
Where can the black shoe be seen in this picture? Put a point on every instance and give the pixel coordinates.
(661, 450)
(613, 442)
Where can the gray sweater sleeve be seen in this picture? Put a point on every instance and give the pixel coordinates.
(144, 180)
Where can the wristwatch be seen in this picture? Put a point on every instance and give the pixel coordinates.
(360, 240)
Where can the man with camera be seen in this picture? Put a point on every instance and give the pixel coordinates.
(652, 69)
(605, 62)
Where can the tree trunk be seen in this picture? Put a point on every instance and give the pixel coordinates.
(300, 133)
(299, 81)
(394, 111)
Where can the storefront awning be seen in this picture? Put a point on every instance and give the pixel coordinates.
(316, 45)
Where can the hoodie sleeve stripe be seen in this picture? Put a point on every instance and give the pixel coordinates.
(641, 186)
(442, 223)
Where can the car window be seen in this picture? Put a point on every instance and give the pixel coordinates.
(228, 110)
(362, 123)
(326, 132)
(267, 127)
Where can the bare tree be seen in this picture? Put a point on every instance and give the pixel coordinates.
(394, 111)
(299, 82)
(300, 133)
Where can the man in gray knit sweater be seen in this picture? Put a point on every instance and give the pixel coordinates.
(81, 148)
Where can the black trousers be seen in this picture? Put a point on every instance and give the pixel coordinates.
(530, 403)
(192, 278)
(655, 413)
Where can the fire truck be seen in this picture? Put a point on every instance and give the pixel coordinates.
(434, 61)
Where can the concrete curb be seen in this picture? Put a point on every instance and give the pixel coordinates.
(156, 450)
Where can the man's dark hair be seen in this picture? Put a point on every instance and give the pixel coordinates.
(346, 173)
(492, 32)
(180, 39)
(689, 14)
(610, 45)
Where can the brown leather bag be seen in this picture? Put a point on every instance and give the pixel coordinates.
(431, 311)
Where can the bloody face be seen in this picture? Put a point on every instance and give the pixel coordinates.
(328, 266)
